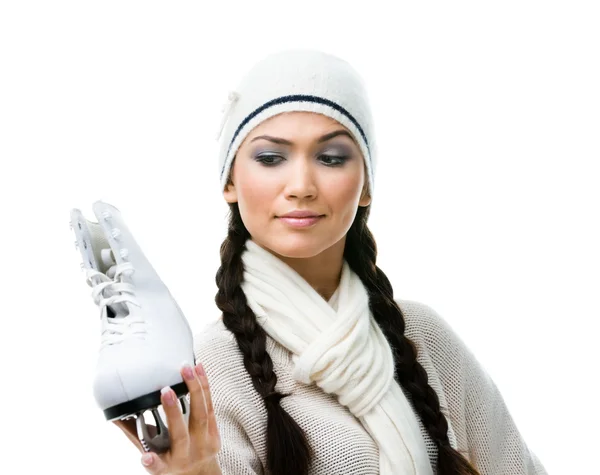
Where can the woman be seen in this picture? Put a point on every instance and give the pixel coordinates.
(314, 366)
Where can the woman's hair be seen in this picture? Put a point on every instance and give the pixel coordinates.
(288, 451)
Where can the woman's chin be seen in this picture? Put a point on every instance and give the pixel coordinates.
(296, 246)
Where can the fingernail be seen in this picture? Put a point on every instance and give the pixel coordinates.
(200, 370)
(169, 395)
(188, 372)
(147, 459)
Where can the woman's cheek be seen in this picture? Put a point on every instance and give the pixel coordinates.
(343, 192)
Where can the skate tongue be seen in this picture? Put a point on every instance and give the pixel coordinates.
(108, 261)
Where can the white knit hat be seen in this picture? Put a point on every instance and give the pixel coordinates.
(297, 80)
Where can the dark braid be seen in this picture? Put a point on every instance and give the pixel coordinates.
(361, 253)
(288, 451)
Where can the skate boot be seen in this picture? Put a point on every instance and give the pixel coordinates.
(145, 336)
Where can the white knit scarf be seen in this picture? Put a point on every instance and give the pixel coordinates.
(339, 346)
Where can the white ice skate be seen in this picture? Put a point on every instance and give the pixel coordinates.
(145, 336)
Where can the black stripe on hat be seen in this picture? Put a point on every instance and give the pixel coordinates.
(296, 98)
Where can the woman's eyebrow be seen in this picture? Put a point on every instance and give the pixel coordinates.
(324, 138)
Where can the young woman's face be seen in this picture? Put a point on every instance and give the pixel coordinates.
(272, 179)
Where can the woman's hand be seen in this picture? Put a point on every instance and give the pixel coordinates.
(193, 449)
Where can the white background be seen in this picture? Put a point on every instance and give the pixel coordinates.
(486, 205)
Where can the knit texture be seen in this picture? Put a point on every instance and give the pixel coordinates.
(477, 415)
(338, 345)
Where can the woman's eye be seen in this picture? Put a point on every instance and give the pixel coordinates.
(267, 159)
(336, 160)
(329, 160)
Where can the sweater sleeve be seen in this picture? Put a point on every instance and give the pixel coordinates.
(237, 455)
(493, 441)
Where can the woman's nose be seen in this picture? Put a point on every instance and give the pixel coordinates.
(301, 180)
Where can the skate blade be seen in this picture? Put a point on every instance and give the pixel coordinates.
(136, 408)
(160, 442)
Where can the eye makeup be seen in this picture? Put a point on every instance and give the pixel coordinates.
(338, 150)
(271, 159)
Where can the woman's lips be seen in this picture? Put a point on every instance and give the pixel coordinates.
(300, 222)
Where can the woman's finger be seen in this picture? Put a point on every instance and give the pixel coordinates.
(197, 424)
(178, 431)
(213, 430)
(154, 464)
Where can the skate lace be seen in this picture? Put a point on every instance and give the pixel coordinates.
(107, 291)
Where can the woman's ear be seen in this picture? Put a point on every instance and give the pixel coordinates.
(230, 193)
(365, 197)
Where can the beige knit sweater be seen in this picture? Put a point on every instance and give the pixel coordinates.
(480, 425)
